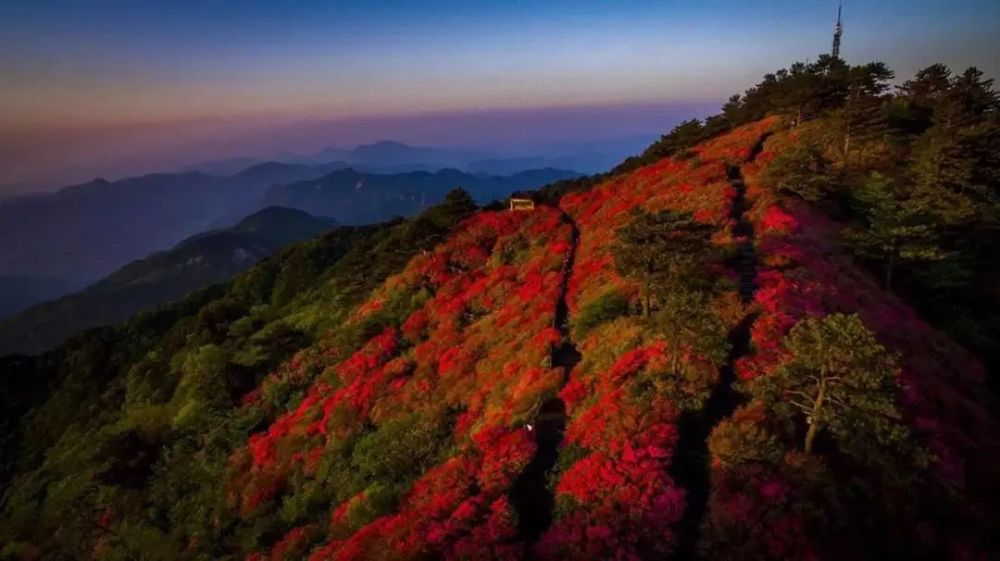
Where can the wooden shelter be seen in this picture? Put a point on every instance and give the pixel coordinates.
(521, 203)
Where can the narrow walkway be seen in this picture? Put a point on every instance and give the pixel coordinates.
(691, 467)
(745, 263)
(529, 495)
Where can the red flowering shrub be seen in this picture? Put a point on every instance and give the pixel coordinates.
(293, 545)
(505, 454)
(755, 512)
(615, 507)
(479, 343)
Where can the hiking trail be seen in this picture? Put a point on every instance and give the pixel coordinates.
(691, 469)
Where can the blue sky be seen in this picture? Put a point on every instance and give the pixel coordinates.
(110, 64)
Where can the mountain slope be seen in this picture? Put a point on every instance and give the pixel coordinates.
(18, 293)
(160, 278)
(512, 385)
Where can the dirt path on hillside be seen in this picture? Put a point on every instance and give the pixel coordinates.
(691, 467)
(530, 496)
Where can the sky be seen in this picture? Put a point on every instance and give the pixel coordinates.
(110, 87)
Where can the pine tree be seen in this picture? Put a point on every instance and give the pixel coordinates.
(862, 115)
(841, 380)
(895, 229)
(458, 203)
(802, 169)
(799, 92)
(659, 249)
(923, 93)
(681, 137)
(968, 100)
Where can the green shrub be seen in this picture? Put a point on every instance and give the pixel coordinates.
(608, 306)
(380, 499)
(399, 448)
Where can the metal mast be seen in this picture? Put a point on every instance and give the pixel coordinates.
(838, 30)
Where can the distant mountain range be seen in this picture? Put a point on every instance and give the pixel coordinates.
(354, 197)
(85, 231)
(228, 166)
(194, 263)
(388, 156)
(392, 154)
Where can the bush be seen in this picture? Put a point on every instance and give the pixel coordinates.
(606, 307)
(379, 499)
(399, 448)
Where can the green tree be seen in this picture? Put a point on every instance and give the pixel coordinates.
(802, 169)
(895, 229)
(922, 94)
(686, 317)
(957, 175)
(680, 138)
(458, 204)
(861, 116)
(610, 305)
(841, 380)
(659, 249)
(954, 165)
(202, 388)
(969, 99)
(799, 92)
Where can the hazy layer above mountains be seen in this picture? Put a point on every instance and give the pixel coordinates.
(45, 159)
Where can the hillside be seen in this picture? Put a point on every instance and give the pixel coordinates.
(163, 277)
(693, 357)
(353, 197)
(18, 293)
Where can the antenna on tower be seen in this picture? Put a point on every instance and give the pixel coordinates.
(838, 30)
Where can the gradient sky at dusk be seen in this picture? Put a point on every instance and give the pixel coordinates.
(82, 83)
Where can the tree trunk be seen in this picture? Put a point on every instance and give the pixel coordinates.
(814, 417)
(847, 146)
(888, 271)
(647, 290)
